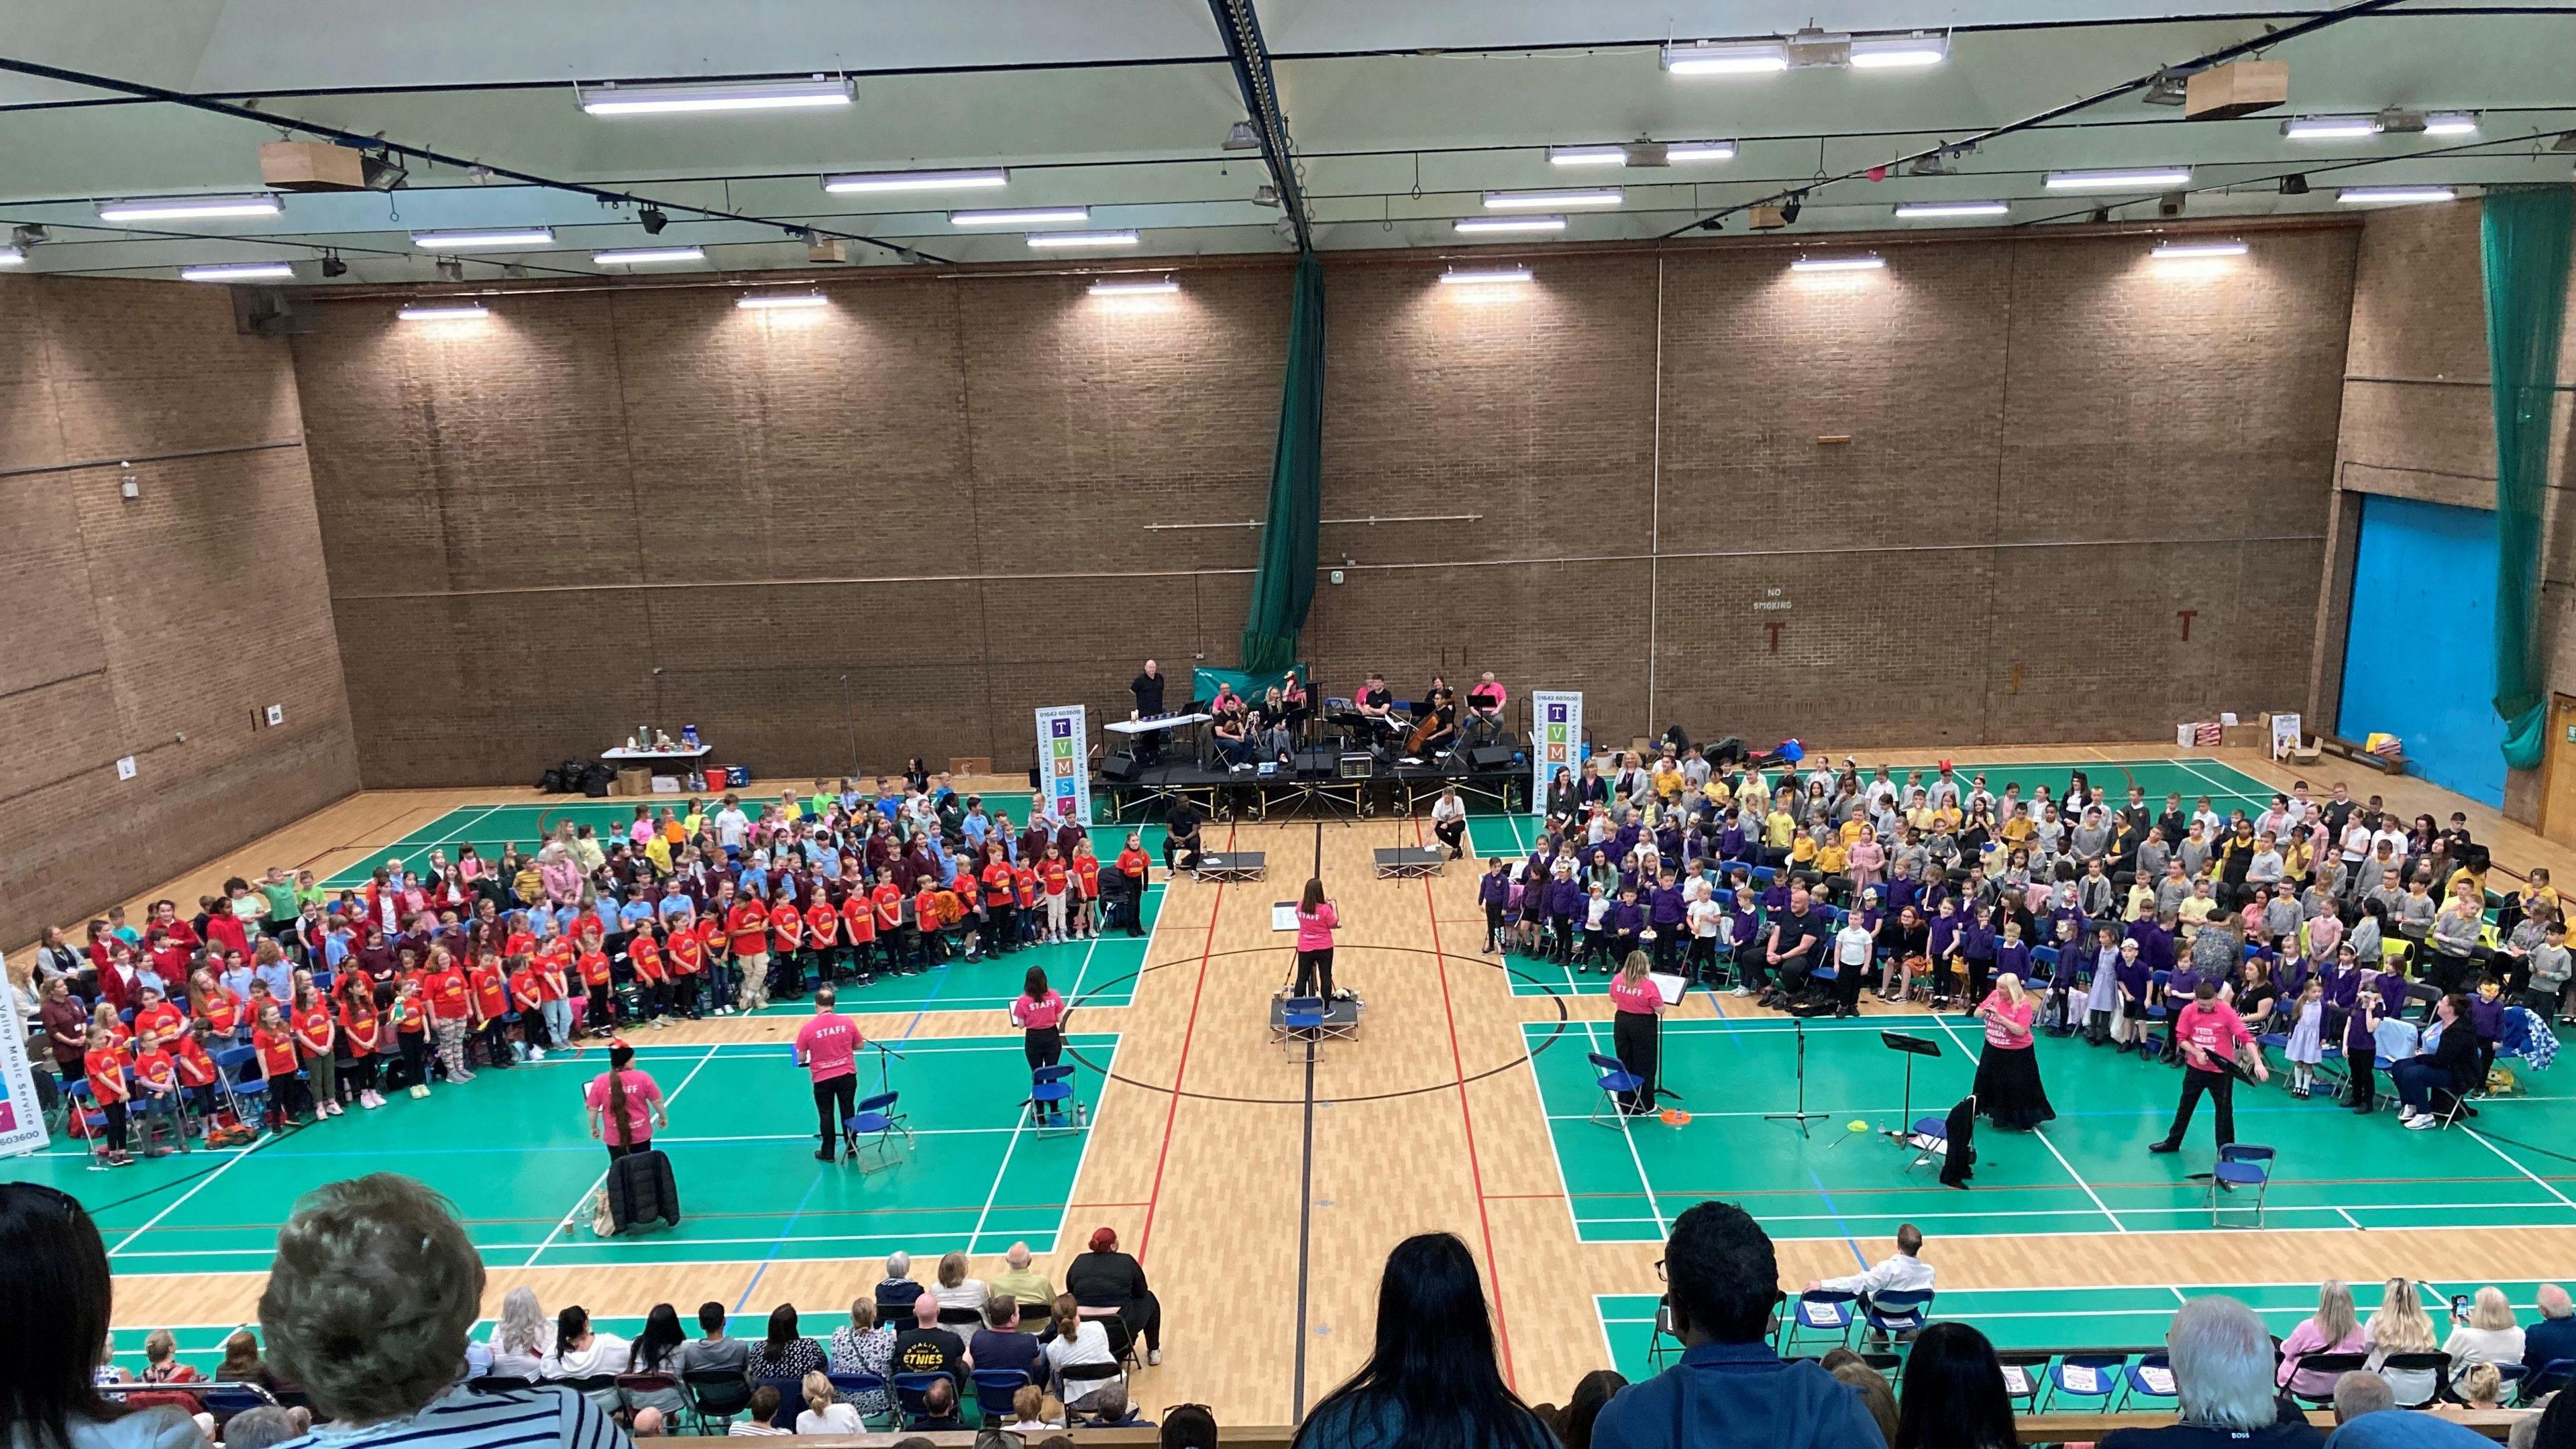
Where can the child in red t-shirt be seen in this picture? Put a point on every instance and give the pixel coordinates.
(925, 922)
(364, 1032)
(487, 989)
(156, 1090)
(278, 1061)
(1086, 881)
(859, 925)
(409, 1018)
(823, 937)
(528, 994)
(1055, 879)
(652, 976)
(104, 1064)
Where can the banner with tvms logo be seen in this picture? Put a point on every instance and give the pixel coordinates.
(1556, 740)
(1064, 761)
(22, 1120)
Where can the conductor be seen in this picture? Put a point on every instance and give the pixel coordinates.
(1148, 689)
(828, 1047)
(2214, 1040)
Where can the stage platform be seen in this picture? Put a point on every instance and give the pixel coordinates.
(1252, 795)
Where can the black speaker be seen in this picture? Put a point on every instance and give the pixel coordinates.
(1489, 757)
(1119, 768)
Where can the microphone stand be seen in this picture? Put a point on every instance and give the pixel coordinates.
(1802, 1116)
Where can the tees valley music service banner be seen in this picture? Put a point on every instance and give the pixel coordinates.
(1556, 740)
(1064, 760)
(22, 1121)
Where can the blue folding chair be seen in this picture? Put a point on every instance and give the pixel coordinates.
(856, 1386)
(1818, 1314)
(994, 1389)
(248, 1094)
(1930, 1140)
(81, 1105)
(1301, 1018)
(1896, 1313)
(790, 1399)
(1613, 1079)
(2092, 1379)
(2241, 1167)
(2151, 1045)
(910, 1395)
(1052, 1108)
(874, 1124)
(2024, 1373)
(2548, 1378)
(2148, 1383)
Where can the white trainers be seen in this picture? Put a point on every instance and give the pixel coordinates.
(2421, 1121)
(536, 1054)
(1153, 1358)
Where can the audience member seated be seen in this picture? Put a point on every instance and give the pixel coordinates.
(1729, 1387)
(1002, 1344)
(783, 1354)
(1031, 1288)
(1032, 1412)
(523, 1338)
(1105, 1279)
(759, 1418)
(161, 1363)
(2358, 1392)
(2430, 1083)
(1573, 1423)
(659, 1349)
(241, 1363)
(266, 1426)
(54, 1331)
(923, 1347)
(939, 1405)
(2490, 1336)
(582, 1354)
(714, 1352)
(1076, 1342)
(957, 1293)
(369, 1301)
(2222, 1372)
(648, 1423)
(1954, 1393)
(896, 1290)
(863, 1347)
(2553, 1338)
(2479, 1386)
(1902, 1271)
(2400, 1326)
(2333, 1328)
(1110, 1409)
(1876, 1394)
(824, 1414)
(1431, 1377)
(1191, 1426)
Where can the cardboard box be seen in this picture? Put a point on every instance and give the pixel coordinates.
(2246, 737)
(634, 780)
(970, 764)
(312, 166)
(2238, 88)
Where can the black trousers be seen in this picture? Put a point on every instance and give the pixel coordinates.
(2221, 1087)
(1451, 832)
(834, 1100)
(1313, 968)
(1632, 1037)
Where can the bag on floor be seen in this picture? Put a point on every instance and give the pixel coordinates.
(640, 1193)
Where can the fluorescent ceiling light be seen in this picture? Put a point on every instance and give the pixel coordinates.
(443, 312)
(2329, 128)
(1866, 262)
(2451, 123)
(1753, 57)
(1478, 276)
(459, 241)
(1551, 200)
(1023, 216)
(181, 208)
(1082, 239)
(1930, 210)
(11, 257)
(2153, 178)
(1133, 286)
(1473, 225)
(617, 100)
(1587, 155)
(761, 301)
(866, 181)
(648, 256)
(1700, 151)
(2183, 251)
(1898, 52)
(2392, 195)
(238, 272)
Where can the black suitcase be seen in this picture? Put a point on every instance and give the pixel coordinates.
(641, 1192)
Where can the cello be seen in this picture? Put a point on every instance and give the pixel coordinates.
(1438, 724)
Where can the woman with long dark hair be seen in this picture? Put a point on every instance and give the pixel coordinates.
(54, 1300)
(1039, 1013)
(656, 1350)
(624, 1105)
(1316, 919)
(1954, 1393)
(1431, 1382)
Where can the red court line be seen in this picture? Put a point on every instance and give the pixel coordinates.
(1145, 1236)
(1475, 1172)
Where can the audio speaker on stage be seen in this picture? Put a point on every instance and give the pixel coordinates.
(1119, 769)
(1317, 762)
(1489, 757)
(1358, 765)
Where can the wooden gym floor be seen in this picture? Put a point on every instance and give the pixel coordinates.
(1263, 1189)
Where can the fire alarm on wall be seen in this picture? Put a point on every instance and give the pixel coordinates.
(1336, 576)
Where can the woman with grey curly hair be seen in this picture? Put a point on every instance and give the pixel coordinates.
(369, 1303)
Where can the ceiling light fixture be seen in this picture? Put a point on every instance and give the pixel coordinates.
(1022, 216)
(1133, 286)
(1935, 210)
(238, 272)
(647, 256)
(457, 241)
(863, 182)
(443, 312)
(189, 208)
(1898, 52)
(2451, 123)
(1587, 155)
(1865, 262)
(1551, 200)
(613, 99)
(2329, 128)
(2154, 178)
(2196, 250)
(765, 301)
(1242, 136)
(652, 219)
(1483, 276)
(1680, 151)
(1082, 239)
(1726, 57)
(12, 257)
(2393, 195)
(1474, 225)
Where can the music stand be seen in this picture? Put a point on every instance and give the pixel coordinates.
(1802, 1116)
(1912, 1047)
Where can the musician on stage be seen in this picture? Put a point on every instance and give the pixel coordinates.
(1296, 704)
(1376, 704)
(1148, 689)
(1484, 722)
(1269, 728)
(1438, 725)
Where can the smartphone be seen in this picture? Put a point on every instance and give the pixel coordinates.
(2459, 1308)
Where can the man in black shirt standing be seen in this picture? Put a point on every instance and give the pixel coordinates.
(927, 1348)
(1148, 689)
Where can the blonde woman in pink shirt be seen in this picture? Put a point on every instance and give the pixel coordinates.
(2007, 1086)
(1316, 919)
(1635, 1028)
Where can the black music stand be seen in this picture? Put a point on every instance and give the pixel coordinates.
(1802, 1116)
(1912, 1047)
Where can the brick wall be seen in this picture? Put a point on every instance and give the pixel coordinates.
(179, 613)
(939, 486)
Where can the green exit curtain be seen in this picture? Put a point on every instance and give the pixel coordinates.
(2525, 251)
(1285, 585)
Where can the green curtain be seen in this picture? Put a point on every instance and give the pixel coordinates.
(2525, 250)
(1285, 586)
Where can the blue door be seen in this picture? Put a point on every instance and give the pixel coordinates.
(2419, 659)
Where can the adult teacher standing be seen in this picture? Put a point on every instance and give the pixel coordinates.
(2007, 1086)
(625, 1105)
(1316, 919)
(2213, 1039)
(1039, 1014)
(1635, 1029)
(828, 1046)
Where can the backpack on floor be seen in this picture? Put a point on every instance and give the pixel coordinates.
(640, 1193)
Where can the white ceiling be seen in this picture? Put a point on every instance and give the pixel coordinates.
(1401, 114)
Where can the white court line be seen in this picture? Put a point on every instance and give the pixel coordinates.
(999, 1173)
(181, 1200)
(575, 1209)
(2516, 1165)
(1972, 1054)
(1645, 1184)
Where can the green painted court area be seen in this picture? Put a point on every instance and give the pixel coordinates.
(2036, 1320)
(2089, 1171)
(510, 1149)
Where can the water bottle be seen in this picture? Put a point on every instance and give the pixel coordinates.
(688, 737)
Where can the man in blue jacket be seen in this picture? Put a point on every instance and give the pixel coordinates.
(1729, 1388)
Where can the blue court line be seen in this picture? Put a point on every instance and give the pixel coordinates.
(1848, 1240)
(784, 1232)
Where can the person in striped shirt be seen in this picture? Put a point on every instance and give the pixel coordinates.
(369, 1304)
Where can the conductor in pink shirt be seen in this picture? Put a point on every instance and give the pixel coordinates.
(1316, 919)
(2214, 1041)
(829, 1046)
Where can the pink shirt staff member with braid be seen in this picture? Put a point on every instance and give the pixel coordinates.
(1635, 1028)
(1040, 1013)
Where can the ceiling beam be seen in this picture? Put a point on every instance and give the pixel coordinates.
(1251, 60)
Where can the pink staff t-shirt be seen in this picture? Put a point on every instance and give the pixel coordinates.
(641, 1094)
(830, 1046)
(1315, 928)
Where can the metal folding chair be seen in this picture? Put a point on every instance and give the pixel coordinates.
(2090, 1378)
(2149, 1381)
(874, 1123)
(1613, 1079)
(1818, 1314)
(1930, 1139)
(1896, 1313)
(2241, 1167)
(1053, 1108)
